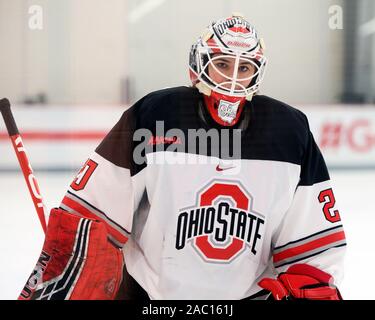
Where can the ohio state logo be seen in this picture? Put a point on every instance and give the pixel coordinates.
(222, 225)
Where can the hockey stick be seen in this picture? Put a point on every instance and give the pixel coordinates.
(23, 160)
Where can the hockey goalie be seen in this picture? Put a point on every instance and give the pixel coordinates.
(261, 224)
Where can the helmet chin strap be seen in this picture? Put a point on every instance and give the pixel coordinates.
(225, 110)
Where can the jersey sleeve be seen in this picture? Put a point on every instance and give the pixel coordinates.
(311, 231)
(107, 186)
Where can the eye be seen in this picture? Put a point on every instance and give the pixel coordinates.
(244, 68)
(221, 65)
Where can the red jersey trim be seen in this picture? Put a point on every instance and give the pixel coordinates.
(312, 245)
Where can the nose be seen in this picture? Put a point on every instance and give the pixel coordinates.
(226, 77)
(227, 82)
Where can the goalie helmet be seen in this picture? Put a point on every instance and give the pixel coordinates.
(220, 64)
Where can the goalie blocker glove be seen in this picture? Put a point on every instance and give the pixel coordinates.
(302, 281)
(77, 262)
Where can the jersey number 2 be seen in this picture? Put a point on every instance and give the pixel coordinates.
(327, 197)
(84, 175)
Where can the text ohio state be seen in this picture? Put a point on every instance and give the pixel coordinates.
(222, 221)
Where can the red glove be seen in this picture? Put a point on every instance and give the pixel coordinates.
(302, 281)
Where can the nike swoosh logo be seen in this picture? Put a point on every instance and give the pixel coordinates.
(218, 168)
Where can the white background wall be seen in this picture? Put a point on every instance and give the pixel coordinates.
(88, 47)
(78, 57)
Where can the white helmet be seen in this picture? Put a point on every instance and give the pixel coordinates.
(233, 37)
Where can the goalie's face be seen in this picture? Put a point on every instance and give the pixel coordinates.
(231, 72)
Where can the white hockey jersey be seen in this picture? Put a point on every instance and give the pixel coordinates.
(198, 223)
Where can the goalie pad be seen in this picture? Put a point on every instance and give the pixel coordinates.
(77, 262)
(302, 281)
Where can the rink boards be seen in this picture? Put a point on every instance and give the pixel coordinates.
(60, 138)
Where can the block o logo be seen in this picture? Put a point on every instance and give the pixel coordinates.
(207, 198)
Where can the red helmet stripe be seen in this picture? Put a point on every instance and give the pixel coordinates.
(239, 29)
(212, 43)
